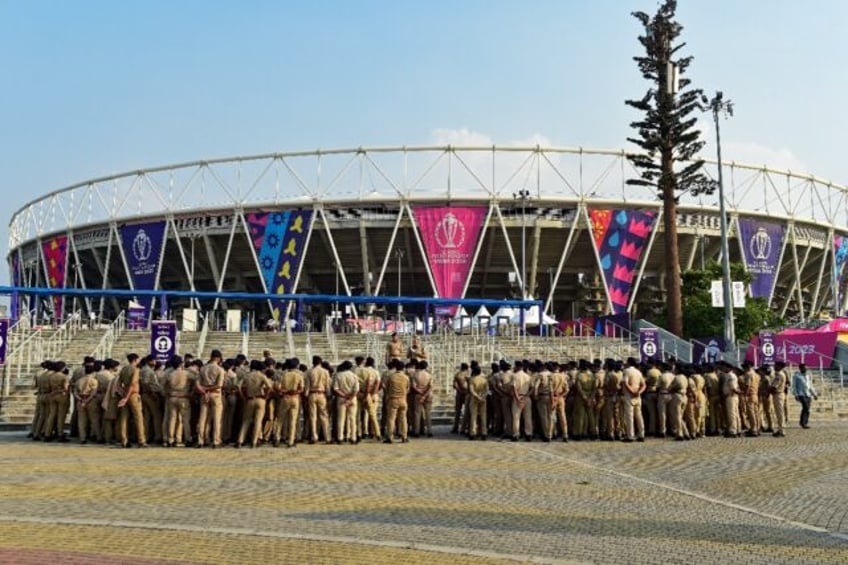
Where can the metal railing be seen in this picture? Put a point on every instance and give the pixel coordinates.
(110, 336)
(204, 334)
(331, 340)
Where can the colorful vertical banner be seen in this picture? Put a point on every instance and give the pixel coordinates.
(136, 318)
(279, 239)
(620, 237)
(649, 344)
(840, 255)
(4, 337)
(163, 339)
(707, 349)
(15, 304)
(56, 257)
(450, 235)
(761, 244)
(768, 348)
(142, 245)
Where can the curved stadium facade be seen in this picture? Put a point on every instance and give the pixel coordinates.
(478, 222)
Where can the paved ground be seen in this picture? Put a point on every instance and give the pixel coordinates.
(763, 500)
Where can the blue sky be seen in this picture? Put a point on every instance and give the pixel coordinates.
(96, 87)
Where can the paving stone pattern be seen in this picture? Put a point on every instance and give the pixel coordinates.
(446, 499)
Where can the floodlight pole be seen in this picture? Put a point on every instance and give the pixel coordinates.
(718, 105)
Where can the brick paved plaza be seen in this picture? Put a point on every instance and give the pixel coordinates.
(445, 499)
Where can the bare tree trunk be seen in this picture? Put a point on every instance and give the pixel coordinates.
(674, 321)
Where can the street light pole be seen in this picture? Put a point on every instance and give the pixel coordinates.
(718, 105)
(523, 196)
(399, 254)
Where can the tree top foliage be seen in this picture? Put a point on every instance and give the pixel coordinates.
(667, 129)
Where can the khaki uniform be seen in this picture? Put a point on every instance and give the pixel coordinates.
(522, 406)
(766, 405)
(664, 402)
(397, 387)
(715, 408)
(255, 387)
(611, 390)
(128, 381)
(478, 388)
(151, 398)
(211, 379)
(752, 400)
(42, 403)
(177, 388)
(506, 401)
(106, 387)
(586, 387)
(559, 392)
(699, 385)
(57, 405)
(318, 386)
(677, 405)
(460, 386)
(631, 412)
(232, 384)
(346, 389)
(422, 383)
(88, 413)
(651, 403)
(394, 350)
(369, 385)
(290, 388)
(730, 391)
(543, 402)
(778, 399)
(76, 375)
(416, 351)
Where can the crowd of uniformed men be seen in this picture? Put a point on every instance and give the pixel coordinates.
(239, 401)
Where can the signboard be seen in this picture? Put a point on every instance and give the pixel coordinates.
(649, 344)
(737, 290)
(136, 318)
(717, 294)
(4, 334)
(163, 339)
(737, 293)
(768, 349)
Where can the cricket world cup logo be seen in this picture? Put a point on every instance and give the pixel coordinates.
(449, 232)
(760, 245)
(141, 246)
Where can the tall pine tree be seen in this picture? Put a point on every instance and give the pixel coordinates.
(666, 136)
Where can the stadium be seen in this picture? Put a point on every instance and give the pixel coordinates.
(560, 224)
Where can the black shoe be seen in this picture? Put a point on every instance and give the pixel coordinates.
(429, 434)
(404, 440)
(471, 438)
(483, 438)
(640, 439)
(387, 440)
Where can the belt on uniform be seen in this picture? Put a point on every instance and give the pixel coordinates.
(316, 392)
(177, 395)
(287, 393)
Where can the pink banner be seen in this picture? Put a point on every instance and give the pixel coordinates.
(811, 347)
(838, 325)
(450, 235)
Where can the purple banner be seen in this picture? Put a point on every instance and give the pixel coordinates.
(620, 237)
(136, 318)
(4, 335)
(142, 245)
(761, 243)
(163, 339)
(767, 348)
(707, 349)
(649, 344)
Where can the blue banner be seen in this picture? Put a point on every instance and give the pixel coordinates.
(163, 339)
(707, 349)
(761, 243)
(4, 335)
(142, 245)
(649, 344)
(768, 348)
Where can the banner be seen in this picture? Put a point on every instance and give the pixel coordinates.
(799, 346)
(450, 235)
(163, 339)
(707, 349)
(761, 243)
(142, 245)
(15, 304)
(279, 239)
(840, 254)
(767, 348)
(56, 256)
(619, 237)
(4, 336)
(649, 344)
(136, 318)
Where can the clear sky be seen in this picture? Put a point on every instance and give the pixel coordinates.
(96, 87)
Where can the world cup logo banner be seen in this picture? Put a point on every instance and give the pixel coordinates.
(450, 236)
(761, 243)
(649, 344)
(142, 245)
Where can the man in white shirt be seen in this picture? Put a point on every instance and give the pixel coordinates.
(802, 389)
